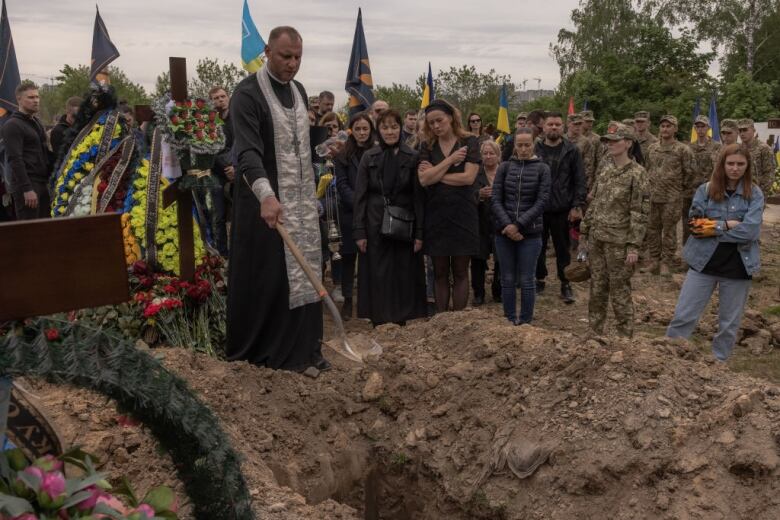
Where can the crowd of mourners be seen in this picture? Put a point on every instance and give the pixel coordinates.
(417, 206)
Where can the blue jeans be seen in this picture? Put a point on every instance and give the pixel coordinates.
(518, 260)
(694, 297)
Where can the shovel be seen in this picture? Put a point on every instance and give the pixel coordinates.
(359, 345)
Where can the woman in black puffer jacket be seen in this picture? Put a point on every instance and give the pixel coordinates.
(520, 191)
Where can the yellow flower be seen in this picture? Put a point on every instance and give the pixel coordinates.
(71, 184)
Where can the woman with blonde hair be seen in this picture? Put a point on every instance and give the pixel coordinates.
(449, 162)
(722, 251)
(490, 153)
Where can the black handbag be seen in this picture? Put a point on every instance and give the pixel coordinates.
(397, 222)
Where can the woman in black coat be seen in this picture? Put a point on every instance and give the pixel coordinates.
(361, 139)
(391, 276)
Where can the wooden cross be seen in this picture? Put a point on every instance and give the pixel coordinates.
(173, 193)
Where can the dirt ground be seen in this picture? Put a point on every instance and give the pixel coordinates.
(443, 422)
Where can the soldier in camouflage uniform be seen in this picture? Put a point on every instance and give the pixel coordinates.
(729, 132)
(760, 154)
(613, 231)
(642, 131)
(669, 167)
(591, 160)
(705, 152)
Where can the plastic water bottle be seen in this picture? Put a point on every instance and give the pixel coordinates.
(322, 148)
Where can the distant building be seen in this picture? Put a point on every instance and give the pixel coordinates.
(524, 96)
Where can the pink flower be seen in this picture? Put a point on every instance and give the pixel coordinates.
(48, 463)
(92, 500)
(53, 484)
(146, 510)
(113, 503)
(34, 471)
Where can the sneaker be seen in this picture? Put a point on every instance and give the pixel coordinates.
(566, 294)
(540, 284)
(337, 296)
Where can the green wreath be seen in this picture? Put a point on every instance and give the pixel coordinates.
(93, 359)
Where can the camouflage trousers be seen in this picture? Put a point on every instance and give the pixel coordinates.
(686, 207)
(610, 279)
(662, 231)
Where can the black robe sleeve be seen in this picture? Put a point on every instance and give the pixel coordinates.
(247, 117)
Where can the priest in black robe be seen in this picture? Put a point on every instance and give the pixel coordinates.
(274, 316)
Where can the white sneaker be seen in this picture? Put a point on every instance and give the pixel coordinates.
(337, 296)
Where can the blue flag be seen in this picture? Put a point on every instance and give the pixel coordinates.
(359, 84)
(696, 112)
(714, 123)
(428, 93)
(9, 68)
(103, 50)
(252, 44)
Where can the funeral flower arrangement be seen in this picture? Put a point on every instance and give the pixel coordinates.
(191, 126)
(82, 158)
(42, 490)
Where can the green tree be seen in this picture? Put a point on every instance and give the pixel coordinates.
(743, 96)
(209, 72)
(74, 81)
(400, 97)
(469, 89)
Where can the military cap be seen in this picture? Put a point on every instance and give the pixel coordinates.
(617, 132)
(522, 115)
(745, 123)
(669, 119)
(574, 118)
(629, 122)
(642, 115)
(729, 124)
(587, 115)
(702, 119)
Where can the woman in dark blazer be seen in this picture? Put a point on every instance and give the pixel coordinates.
(391, 276)
(361, 139)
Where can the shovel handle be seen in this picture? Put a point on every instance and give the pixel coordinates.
(310, 274)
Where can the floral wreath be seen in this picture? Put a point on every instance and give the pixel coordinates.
(189, 126)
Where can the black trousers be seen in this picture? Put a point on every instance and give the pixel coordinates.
(348, 262)
(44, 203)
(556, 225)
(478, 269)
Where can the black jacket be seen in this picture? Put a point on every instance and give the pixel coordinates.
(567, 181)
(26, 150)
(58, 134)
(520, 194)
(369, 203)
(224, 158)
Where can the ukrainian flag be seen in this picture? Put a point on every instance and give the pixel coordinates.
(714, 130)
(359, 84)
(252, 44)
(696, 112)
(428, 94)
(502, 125)
(9, 68)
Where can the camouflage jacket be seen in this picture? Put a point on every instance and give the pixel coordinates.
(669, 168)
(704, 157)
(620, 207)
(591, 154)
(645, 142)
(763, 165)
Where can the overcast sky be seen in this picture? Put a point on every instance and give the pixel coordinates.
(402, 35)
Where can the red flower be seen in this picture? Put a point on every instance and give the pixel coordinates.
(212, 115)
(170, 289)
(174, 120)
(146, 281)
(52, 334)
(102, 186)
(188, 103)
(151, 310)
(141, 297)
(140, 268)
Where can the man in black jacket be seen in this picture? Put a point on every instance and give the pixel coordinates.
(224, 172)
(567, 197)
(27, 152)
(66, 121)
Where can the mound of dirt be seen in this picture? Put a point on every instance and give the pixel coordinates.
(464, 416)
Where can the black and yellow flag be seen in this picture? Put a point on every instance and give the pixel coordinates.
(103, 50)
(359, 84)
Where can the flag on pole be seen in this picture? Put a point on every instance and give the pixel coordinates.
(585, 105)
(252, 44)
(714, 131)
(359, 84)
(571, 106)
(696, 112)
(777, 150)
(103, 50)
(9, 68)
(502, 125)
(428, 94)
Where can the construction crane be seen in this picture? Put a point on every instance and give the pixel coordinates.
(524, 82)
(538, 83)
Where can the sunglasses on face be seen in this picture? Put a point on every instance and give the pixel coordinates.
(475, 120)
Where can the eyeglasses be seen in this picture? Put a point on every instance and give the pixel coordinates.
(475, 120)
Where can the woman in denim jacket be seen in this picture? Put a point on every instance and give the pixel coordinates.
(722, 250)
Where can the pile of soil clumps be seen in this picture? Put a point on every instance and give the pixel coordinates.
(465, 416)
